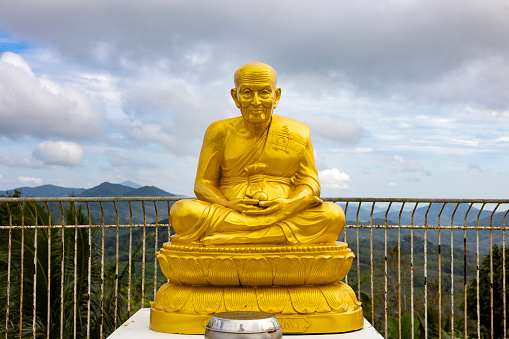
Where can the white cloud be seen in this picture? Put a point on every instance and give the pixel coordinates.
(407, 165)
(152, 132)
(334, 128)
(63, 153)
(30, 180)
(38, 106)
(119, 158)
(363, 150)
(475, 168)
(392, 184)
(19, 161)
(161, 96)
(333, 178)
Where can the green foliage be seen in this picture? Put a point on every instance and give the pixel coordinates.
(10, 213)
(62, 260)
(485, 295)
(406, 327)
(364, 296)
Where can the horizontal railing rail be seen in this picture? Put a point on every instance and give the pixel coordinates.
(80, 266)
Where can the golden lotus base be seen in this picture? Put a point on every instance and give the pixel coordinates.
(300, 285)
(256, 265)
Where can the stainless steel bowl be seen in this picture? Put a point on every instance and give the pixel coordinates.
(243, 325)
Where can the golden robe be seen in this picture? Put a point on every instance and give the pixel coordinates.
(273, 166)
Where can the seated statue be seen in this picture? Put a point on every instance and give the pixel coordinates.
(258, 238)
(256, 180)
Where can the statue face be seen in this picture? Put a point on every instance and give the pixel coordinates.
(255, 93)
(256, 101)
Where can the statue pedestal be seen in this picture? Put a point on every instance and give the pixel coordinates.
(137, 327)
(300, 285)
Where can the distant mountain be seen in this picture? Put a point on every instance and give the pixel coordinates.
(125, 210)
(107, 189)
(129, 183)
(148, 191)
(50, 191)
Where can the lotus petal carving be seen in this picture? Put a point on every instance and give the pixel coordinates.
(255, 266)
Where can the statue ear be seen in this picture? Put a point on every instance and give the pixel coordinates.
(278, 95)
(234, 96)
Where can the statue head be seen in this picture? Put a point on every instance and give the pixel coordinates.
(255, 92)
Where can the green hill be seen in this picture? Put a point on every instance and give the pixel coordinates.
(50, 191)
(106, 189)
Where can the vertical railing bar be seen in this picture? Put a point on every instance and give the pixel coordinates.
(7, 309)
(48, 320)
(130, 260)
(75, 287)
(371, 253)
(440, 273)
(22, 267)
(62, 267)
(358, 255)
(102, 271)
(477, 272)
(465, 272)
(503, 275)
(89, 289)
(426, 272)
(116, 266)
(385, 273)
(452, 269)
(344, 237)
(169, 228)
(399, 269)
(155, 250)
(491, 269)
(143, 260)
(34, 318)
(412, 271)
(169, 223)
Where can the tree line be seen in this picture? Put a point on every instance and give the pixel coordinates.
(61, 268)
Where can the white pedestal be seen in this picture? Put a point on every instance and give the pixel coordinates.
(138, 327)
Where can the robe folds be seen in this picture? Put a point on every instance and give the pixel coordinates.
(270, 167)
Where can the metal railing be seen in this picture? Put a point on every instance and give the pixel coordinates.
(79, 267)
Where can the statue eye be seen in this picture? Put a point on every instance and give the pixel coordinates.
(246, 92)
(264, 92)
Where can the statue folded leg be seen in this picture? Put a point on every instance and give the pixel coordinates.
(196, 221)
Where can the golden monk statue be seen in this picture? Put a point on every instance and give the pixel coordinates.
(258, 238)
(256, 180)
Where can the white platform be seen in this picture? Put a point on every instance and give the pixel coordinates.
(138, 327)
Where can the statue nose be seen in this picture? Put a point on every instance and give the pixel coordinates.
(256, 99)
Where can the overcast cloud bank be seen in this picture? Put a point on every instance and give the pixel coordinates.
(404, 98)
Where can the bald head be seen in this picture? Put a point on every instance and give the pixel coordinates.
(255, 72)
(255, 92)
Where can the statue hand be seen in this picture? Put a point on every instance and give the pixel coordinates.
(243, 205)
(270, 206)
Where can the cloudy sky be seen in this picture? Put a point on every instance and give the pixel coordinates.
(404, 98)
